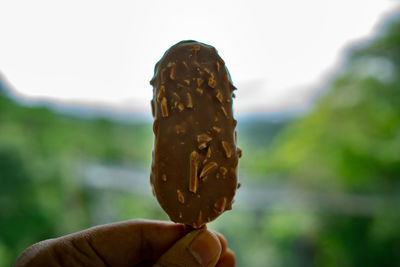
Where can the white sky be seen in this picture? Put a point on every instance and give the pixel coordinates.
(92, 52)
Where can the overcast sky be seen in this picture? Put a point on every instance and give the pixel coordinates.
(104, 52)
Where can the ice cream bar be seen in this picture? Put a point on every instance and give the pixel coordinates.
(195, 156)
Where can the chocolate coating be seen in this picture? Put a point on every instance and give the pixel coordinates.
(195, 157)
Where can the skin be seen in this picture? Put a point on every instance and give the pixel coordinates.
(129, 243)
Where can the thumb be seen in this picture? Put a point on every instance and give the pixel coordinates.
(197, 248)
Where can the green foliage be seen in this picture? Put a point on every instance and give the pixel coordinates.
(350, 142)
(41, 192)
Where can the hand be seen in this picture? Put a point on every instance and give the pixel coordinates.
(132, 243)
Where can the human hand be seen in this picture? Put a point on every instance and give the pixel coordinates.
(132, 243)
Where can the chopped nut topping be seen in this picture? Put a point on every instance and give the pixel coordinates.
(181, 107)
(196, 48)
(203, 138)
(224, 111)
(172, 73)
(211, 82)
(200, 218)
(227, 149)
(176, 96)
(181, 198)
(185, 64)
(193, 169)
(200, 82)
(209, 166)
(239, 152)
(218, 95)
(208, 72)
(215, 118)
(180, 215)
(164, 177)
(203, 145)
(161, 93)
(217, 176)
(219, 205)
(198, 89)
(208, 154)
(163, 76)
(179, 85)
(155, 126)
(189, 103)
(216, 129)
(239, 185)
(217, 63)
(187, 81)
(164, 107)
(223, 170)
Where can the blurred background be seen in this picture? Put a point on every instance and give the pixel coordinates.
(318, 109)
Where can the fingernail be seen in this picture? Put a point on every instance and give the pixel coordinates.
(205, 247)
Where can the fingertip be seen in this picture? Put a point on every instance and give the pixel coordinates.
(227, 259)
(206, 248)
(222, 240)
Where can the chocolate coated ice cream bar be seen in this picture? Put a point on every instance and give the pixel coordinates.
(195, 157)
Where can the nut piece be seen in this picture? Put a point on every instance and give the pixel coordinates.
(200, 219)
(181, 107)
(164, 107)
(185, 64)
(161, 93)
(172, 73)
(211, 82)
(224, 111)
(217, 63)
(164, 177)
(227, 149)
(219, 205)
(223, 170)
(200, 82)
(209, 166)
(155, 126)
(208, 154)
(181, 198)
(196, 49)
(216, 129)
(189, 103)
(163, 76)
(193, 168)
(239, 152)
(218, 95)
(203, 140)
(199, 90)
